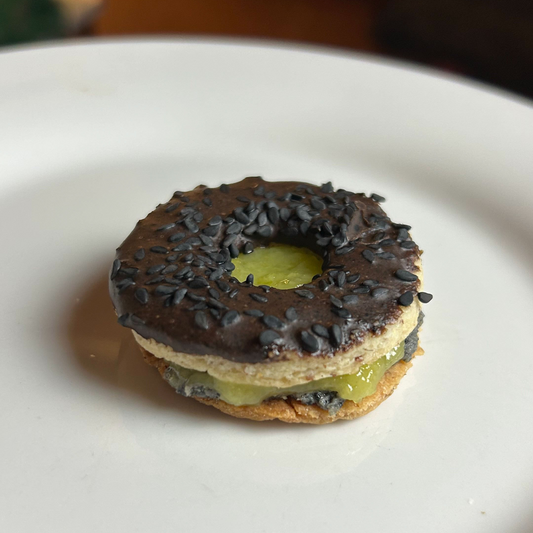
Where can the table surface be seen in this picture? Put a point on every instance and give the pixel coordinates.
(343, 23)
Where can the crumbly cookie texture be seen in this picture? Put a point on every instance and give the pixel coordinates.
(294, 370)
(292, 411)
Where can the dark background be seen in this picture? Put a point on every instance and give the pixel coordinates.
(489, 40)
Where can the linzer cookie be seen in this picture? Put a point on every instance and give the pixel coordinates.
(279, 300)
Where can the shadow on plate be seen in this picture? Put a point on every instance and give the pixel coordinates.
(106, 352)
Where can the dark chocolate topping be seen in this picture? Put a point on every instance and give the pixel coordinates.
(364, 254)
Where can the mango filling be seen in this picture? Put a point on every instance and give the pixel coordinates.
(279, 265)
(353, 387)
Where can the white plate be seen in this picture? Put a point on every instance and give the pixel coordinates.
(92, 137)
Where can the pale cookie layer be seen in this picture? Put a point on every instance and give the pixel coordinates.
(295, 369)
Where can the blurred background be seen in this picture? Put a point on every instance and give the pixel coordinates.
(489, 40)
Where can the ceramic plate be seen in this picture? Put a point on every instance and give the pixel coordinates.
(94, 136)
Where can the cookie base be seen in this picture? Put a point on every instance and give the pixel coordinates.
(293, 411)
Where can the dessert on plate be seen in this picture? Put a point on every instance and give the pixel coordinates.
(273, 300)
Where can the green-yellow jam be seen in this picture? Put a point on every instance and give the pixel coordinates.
(279, 265)
(353, 387)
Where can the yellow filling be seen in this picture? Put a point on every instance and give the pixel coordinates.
(353, 387)
(279, 265)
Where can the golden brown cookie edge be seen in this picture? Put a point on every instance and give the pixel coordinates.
(294, 412)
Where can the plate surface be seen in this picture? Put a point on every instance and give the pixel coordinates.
(93, 136)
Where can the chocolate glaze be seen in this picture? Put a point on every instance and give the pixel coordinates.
(349, 230)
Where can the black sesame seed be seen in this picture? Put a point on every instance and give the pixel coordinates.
(183, 247)
(234, 228)
(377, 198)
(200, 319)
(370, 282)
(166, 227)
(350, 299)
(139, 254)
(141, 295)
(250, 230)
(254, 312)
(164, 290)
(172, 207)
(216, 274)
(195, 297)
(303, 214)
(231, 317)
(363, 289)
(178, 296)
(317, 203)
(215, 313)
(327, 187)
(264, 231)
(270, 194)
(241, 217)
(207, 191)
(233, 251)
(128, 272)
(320, 330)
(243, 199)
(229, 266)
(407, 245)
(259, 298)
(159, 250)
(171, 257)
(336, 302)
(368, 255)
(153, 281)
(380, 291)
(169, 269)
(353, 278)
(268, 337)
(341, 278)
(273, 322)
(386, 242)
(304, 293)
(124, 284)
(309, 342)
(115, 268)
(198, 283)
(208, 202)
(291, 315)
(386, 255)
(273, 215)
(344, 250)
(323, 285)
(304, 228)
(233, 293)
(222, 285)
(335, 335)
(324, 241)
(248, 248)
(403, 234)
(262, 219)
(342, 313)
(284, 213)
(155, 269)
(214, 294)
(215, 221)
(406, 299)
(250, 279)
(191, 225)
(199, 305)
(425, 297)
(193, 241)
(224, 188)
(176, 237)
(260, 191)
(405, 275)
